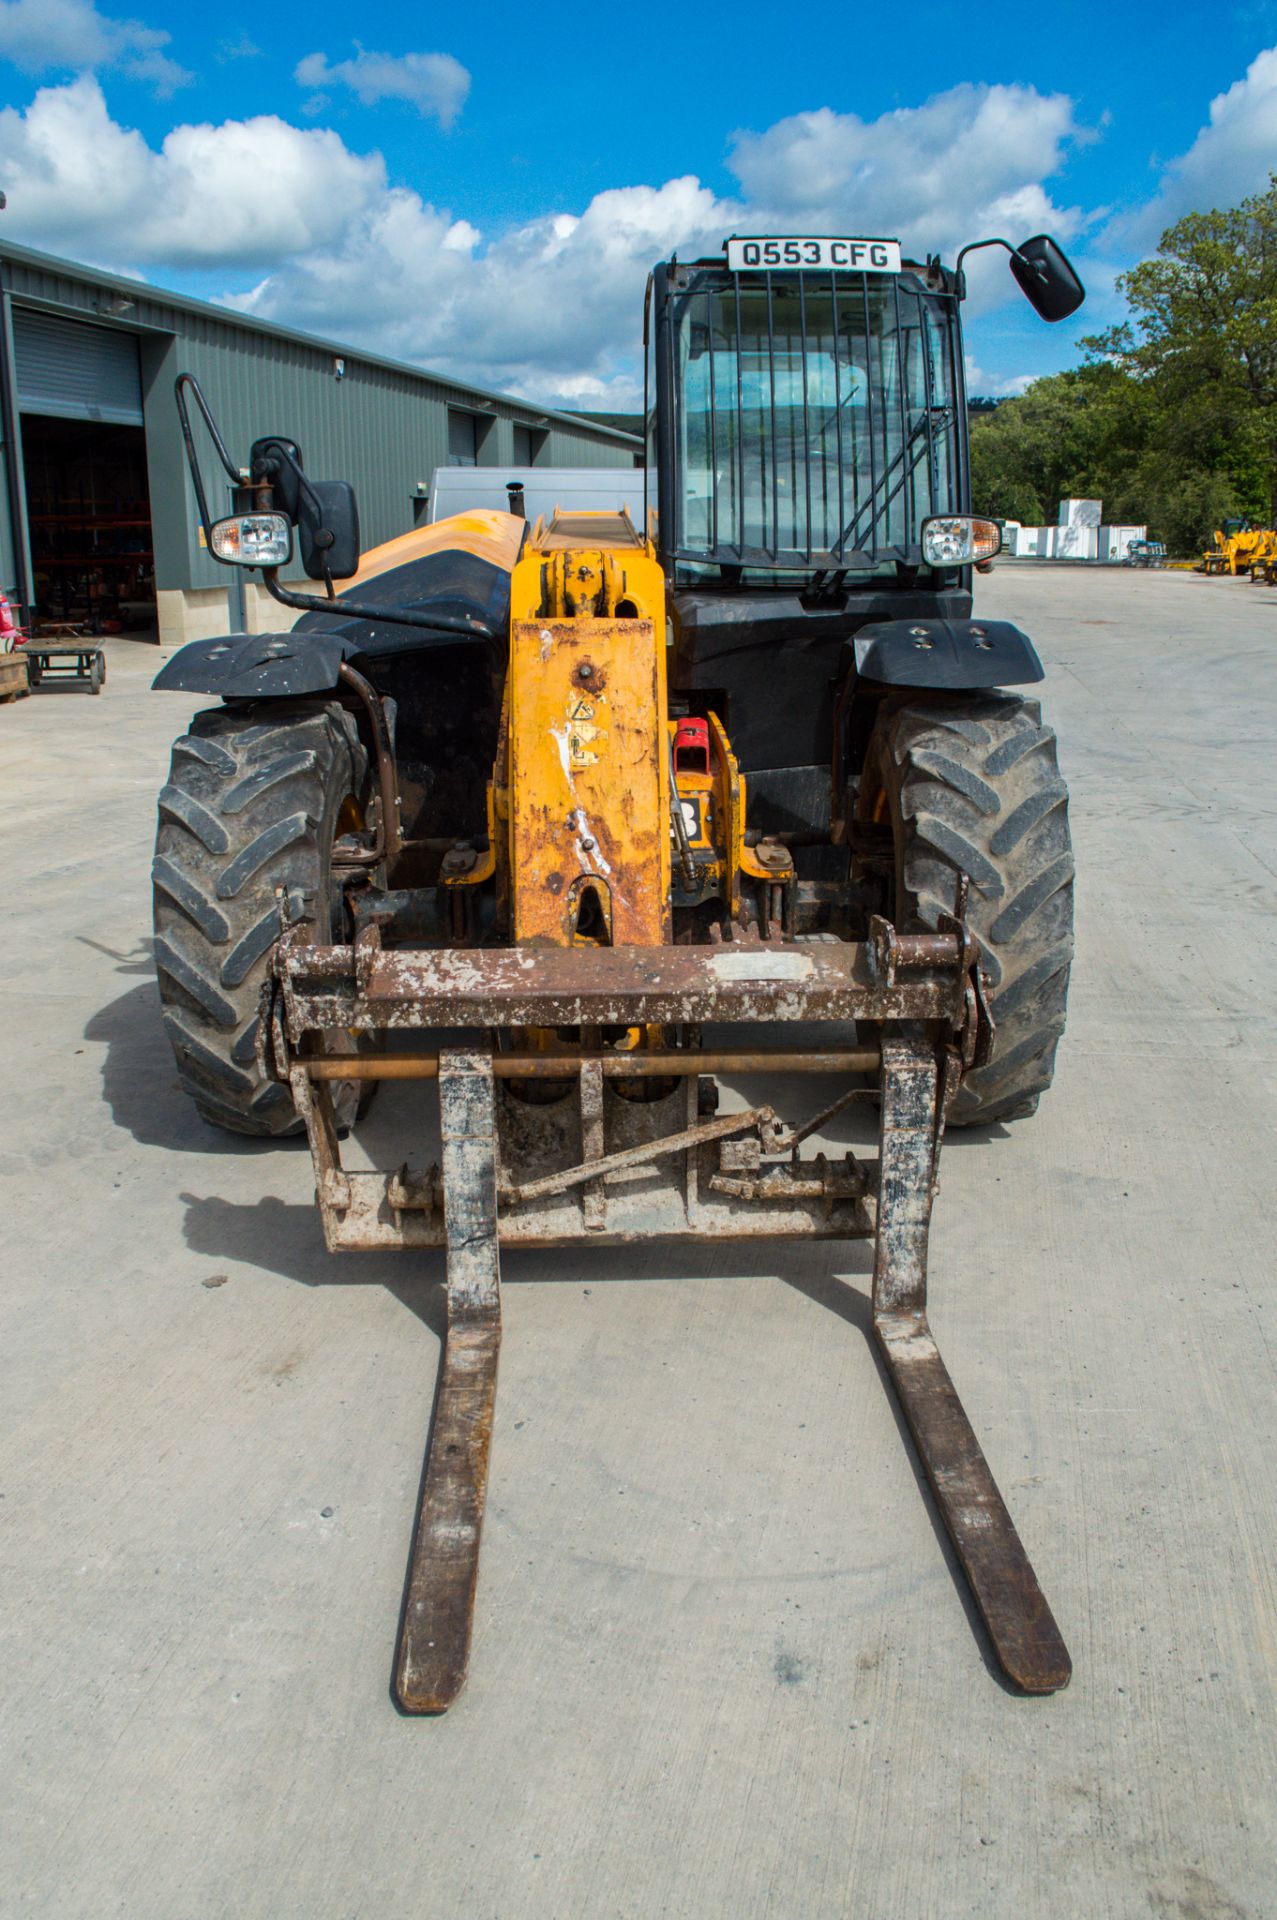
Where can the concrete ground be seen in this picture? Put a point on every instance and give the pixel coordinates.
(722, 1664)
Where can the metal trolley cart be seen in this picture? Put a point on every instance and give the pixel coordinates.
(65, 659)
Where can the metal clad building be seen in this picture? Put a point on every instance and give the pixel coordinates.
(97, 514)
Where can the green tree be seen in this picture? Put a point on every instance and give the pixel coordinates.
(1080, 433)
(1172, 421)
(1203, 335)
(1184, 507)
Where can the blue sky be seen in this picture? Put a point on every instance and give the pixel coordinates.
(468, 191)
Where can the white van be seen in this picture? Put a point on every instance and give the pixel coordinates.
(453, 489)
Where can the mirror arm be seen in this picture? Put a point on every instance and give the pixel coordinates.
(335, 604)
(192, 458)
(973, 246)
(338, 605)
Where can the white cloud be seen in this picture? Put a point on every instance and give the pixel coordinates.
(965, 164)
(935, 174)
(1232, 157)
(48, 36)
(434, 83)
(242, 194)
(551, 307)
(241, 47)
(995, 386)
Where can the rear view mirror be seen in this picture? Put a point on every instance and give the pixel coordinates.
(278, 462)
(328, 529)
(1046, 278)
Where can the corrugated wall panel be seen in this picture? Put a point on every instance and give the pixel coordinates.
(383, 428)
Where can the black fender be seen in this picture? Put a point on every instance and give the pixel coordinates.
(946, 656)
(954, 654)
(257, 666)
(277, 666)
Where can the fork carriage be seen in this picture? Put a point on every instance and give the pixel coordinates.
(603, 1163)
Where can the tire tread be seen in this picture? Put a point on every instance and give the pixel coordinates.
(241, 815)
(944, 766)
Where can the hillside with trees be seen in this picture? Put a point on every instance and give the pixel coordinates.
(1172, 419)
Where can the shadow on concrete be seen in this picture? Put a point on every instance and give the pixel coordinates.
(287, 1239)
(281, 1237)
(140, 960)
(831, 1290)
(983, 1136)
(139, 1079)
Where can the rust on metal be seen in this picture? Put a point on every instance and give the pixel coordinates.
(594, 1190)
(389, 838)
(590, 1161)
(1005, 1588)
(651, 1065)
(924, 950)
(823, 1182)
(1025, 1637)
(600, 1165)
(589, 803)
(753, 981)
(434, 1643)
(369, 1221)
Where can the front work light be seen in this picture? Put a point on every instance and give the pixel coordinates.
(252, 540)
(960, 540)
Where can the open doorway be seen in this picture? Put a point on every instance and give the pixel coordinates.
(89, 511)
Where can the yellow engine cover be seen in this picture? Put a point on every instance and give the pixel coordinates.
(483, 531)
(589, 784)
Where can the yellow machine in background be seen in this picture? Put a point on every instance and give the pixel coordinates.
(1238, 548)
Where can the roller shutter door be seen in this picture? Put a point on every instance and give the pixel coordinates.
(463, 439)
(75, 370)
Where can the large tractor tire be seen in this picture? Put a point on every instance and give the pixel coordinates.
(256, 797)
(974, 787)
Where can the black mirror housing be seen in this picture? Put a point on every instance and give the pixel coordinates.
(328, 529)
(277, 460)
(1046, 278)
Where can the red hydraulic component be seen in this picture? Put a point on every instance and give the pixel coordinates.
(691, 746)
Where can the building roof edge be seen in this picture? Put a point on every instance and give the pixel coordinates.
(120, 283)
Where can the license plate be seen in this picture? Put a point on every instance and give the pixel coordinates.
(813, 255)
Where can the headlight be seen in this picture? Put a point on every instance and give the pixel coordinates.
(960, 540)
(252, 540)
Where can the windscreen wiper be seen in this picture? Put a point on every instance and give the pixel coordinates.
(902, 465)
